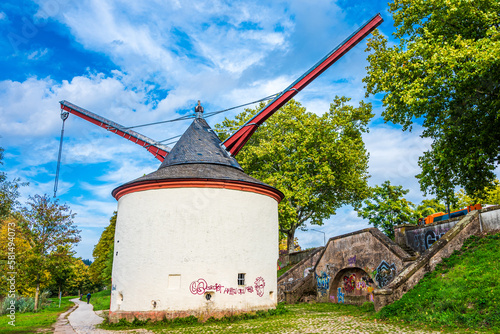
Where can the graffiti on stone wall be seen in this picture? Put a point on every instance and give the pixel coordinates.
(431, 237)
(340, 295)
(422, 239)
(350, 283)
(323, 282)
(307, 271)
(351, 261)
(385, 273)
(200, 286)
(364, 283)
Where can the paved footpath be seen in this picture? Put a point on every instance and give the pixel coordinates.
(81, 319)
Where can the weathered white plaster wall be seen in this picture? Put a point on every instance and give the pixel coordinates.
(168, 238)
(490, 220)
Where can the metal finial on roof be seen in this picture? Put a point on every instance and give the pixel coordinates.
(199, 110)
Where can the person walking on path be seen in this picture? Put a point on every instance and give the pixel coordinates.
(88, 297)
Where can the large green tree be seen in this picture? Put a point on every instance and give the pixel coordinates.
(319, 162)
(48, 227)
(100, 269)
(444, 72)
(60, 269)
(386, 207)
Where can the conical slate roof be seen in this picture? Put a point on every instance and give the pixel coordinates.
(198, 155)
(199, 144)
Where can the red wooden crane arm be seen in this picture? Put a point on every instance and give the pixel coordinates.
(159, 150)
(237, 140)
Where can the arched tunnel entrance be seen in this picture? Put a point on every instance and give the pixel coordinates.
(352, 286)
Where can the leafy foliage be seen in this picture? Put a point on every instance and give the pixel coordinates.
(445, 72)
(490, 195)
(24, 304)
(9, 192)
(386, 207)
(100, 269)
(429, 207)
(319, 162)
(463, 291)
(48, 227)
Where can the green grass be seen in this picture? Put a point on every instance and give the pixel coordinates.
(30, 322)
(100, 300)
(285, 269)
(462, 293)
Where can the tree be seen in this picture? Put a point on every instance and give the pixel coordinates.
(9, 192)
(101, 268)
(386, 207)
(80, 278)
(490, 195)
(47, 226)
(283, 244)
(445, 73)
(13, 248)
(319, 162)
(59, 267)
(429, 207)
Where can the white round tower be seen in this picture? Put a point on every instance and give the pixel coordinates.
(196, 237)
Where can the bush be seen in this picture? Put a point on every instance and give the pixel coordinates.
(25, 304)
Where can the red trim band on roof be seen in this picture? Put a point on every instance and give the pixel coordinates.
(198, 183)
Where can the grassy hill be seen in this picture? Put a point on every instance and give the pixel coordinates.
(463, 292)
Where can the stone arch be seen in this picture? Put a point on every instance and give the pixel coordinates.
(352, 286)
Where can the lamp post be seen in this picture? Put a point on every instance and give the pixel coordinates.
(324, 235)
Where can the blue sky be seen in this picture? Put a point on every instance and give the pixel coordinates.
(136, 62)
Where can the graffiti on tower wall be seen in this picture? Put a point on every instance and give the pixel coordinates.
(200, 286)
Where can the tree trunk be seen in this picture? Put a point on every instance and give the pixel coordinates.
(37, 293)
(290, 236)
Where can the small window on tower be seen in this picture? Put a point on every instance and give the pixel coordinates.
(241, 279)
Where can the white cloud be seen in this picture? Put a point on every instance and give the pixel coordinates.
(394, 153)
(38, 54)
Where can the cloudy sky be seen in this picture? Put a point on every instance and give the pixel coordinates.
(137, 62)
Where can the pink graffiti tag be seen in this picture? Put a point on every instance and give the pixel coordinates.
(198, 287)
(259, 286)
